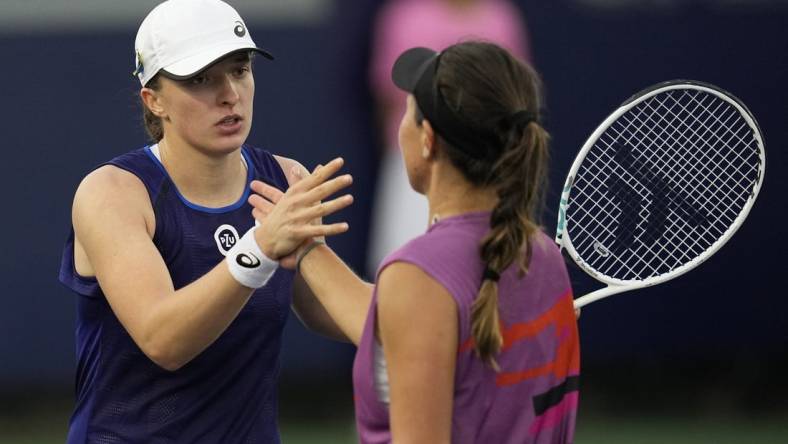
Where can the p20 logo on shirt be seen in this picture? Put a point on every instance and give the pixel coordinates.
(226, 236)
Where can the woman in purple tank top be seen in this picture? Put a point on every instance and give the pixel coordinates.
(468, 334)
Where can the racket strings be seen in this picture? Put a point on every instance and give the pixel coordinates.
(678, 125)
(670, 164)
(622, 260)
(715, 158)
(662, 184)
(709, 131)
(680, 117)
(704, 161)
(645, 214)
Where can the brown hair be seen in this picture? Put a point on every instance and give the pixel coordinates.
(152, 122)
(493, 92)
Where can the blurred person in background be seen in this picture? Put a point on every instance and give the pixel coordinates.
(468, 334)
(398, 213)
(181, 301)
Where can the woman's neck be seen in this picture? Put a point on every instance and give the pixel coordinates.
(450, 194)
(204, 179)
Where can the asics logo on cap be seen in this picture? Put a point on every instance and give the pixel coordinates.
(240, 30)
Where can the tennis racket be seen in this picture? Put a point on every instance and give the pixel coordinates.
(660, 186)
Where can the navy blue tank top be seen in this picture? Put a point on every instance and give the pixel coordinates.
(228, 393)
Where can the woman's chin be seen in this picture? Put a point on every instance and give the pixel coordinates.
(228, 144)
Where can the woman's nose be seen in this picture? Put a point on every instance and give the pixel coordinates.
(229, 91)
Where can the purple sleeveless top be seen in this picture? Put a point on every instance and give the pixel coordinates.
(226, 394)
(534, 397)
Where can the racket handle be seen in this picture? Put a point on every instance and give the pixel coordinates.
(600, 294)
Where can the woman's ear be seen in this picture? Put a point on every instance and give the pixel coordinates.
(152, 101)
(428, 144)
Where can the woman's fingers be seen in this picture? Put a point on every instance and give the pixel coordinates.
(319, 175)
(308, 231)
(311, 188)
(325, 208)
(273, 194)
(328, 188)
(289, 218)
(257, 201)
(297, 173)
(259, 215)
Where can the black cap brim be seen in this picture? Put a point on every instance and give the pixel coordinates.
(409, 67)
(415, 72)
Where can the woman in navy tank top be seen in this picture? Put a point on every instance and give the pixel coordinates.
(181, 299)
(468, 334)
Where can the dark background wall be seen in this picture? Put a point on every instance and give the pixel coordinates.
(68, 103)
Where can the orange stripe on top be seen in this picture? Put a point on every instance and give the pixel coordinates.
(567, 356)
(525, 330)
(562, 314)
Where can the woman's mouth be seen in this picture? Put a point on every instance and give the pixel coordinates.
(230, 124)
(229, 120)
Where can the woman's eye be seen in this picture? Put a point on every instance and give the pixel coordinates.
(199, 80)
(241, 71)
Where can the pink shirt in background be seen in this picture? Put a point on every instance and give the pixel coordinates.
(436, 24)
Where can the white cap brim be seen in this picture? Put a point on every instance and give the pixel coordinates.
(190, 66)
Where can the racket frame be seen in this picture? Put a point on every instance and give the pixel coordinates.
(615, 286)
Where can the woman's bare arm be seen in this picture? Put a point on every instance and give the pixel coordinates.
(113, 220)
(418, 330)
(114, 224)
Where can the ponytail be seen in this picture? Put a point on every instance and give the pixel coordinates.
(520, 177)
(496, 94)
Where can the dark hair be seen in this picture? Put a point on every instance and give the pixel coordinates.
(491, 91)
(152, 122)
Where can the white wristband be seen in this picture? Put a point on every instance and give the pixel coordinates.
(247, 263)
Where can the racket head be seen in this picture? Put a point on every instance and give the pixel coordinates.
(661, 184)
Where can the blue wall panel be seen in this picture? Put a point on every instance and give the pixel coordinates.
(68, 104)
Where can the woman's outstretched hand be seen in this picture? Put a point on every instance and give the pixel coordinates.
(291, 219)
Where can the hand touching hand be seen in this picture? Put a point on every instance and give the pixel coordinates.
(287, 220)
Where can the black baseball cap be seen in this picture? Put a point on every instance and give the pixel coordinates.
(414, 72)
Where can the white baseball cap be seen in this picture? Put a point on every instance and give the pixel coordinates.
(183, 37)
